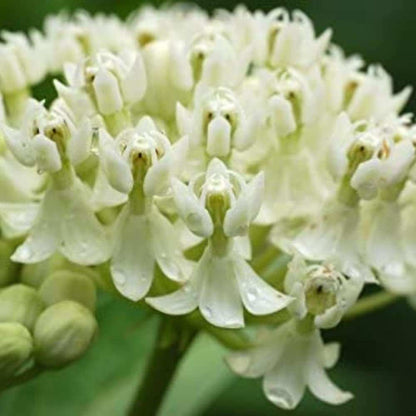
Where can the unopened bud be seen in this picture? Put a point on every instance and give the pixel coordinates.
(68, 285)
(63, 333)
(15, 348)
(20, 303)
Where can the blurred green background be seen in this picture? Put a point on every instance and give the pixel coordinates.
(378, 360)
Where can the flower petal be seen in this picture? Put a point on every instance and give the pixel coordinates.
(115, 167)
(133, 260)
(195, 216)
(44, 237)
(180, 302)
(80, 143)
(19, 145)
(46, 152)
(219, 298)
(17, 218)
(237, 219)
(84, 239)
(258, 297)
(166, 247)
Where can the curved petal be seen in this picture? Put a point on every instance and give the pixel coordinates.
(46, 152)
(195, 216)
(285, 384)
(237, 219)
(84, 240)
(166, 247)
(19, 145)
(17, 218)
(219, 298)
(134, 84)
(133, 260)
(323, 388)
(258, 297)
(367, 178)
(331, 354)
(80, 143)
(116, 168)
(45, 235)
(181, 302)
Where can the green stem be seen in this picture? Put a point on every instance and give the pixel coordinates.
(171, 345)
(371, 303)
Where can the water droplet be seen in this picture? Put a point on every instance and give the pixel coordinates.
(281, 397)
(119, 277)
(252, 294)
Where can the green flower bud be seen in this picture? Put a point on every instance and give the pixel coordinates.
(8, 269)
(15, 348)
(63, 333)
(68, 285)
(34, 274)
(20, 303)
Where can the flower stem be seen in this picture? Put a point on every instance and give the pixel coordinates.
(171, 345)
(371, 303)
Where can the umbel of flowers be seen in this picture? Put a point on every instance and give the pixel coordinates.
(233, 170)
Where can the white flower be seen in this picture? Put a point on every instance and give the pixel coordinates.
(22, 63)
(220, 206)
(321, 291)
(289, 361)
(140, 163)
(65, 223)
(105, 83)
(289, 42)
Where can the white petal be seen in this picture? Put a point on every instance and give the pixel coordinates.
(397, 165)
(331, 354)
(116, 168)
(219, 137)
(80, 143)
(47, 156)
(195, 216)
(282, 116)
(17, 218)
(323, 388)
(166, 247)
(183, 119)
(44, 237)
(134, 83)
(180, 70)
(285, 384)
(237, 219)
(219, 299)
(133, 260)
(107, 92)
(366, 179)
(258, 297)
(255, 362)
(341, 139)
(84, 240)
(19, 145)
(181, 302)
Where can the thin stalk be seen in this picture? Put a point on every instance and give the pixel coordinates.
(170, 347)
(371, 303)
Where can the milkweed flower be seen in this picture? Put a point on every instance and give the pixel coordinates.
(220, 206)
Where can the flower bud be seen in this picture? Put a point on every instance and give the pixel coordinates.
(15, 347)
(67, 285)
(20, 303)
(63, 333)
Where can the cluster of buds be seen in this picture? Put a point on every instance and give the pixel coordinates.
(46, 318)
(179, 147)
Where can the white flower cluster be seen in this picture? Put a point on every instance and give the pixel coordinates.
(176, 133)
